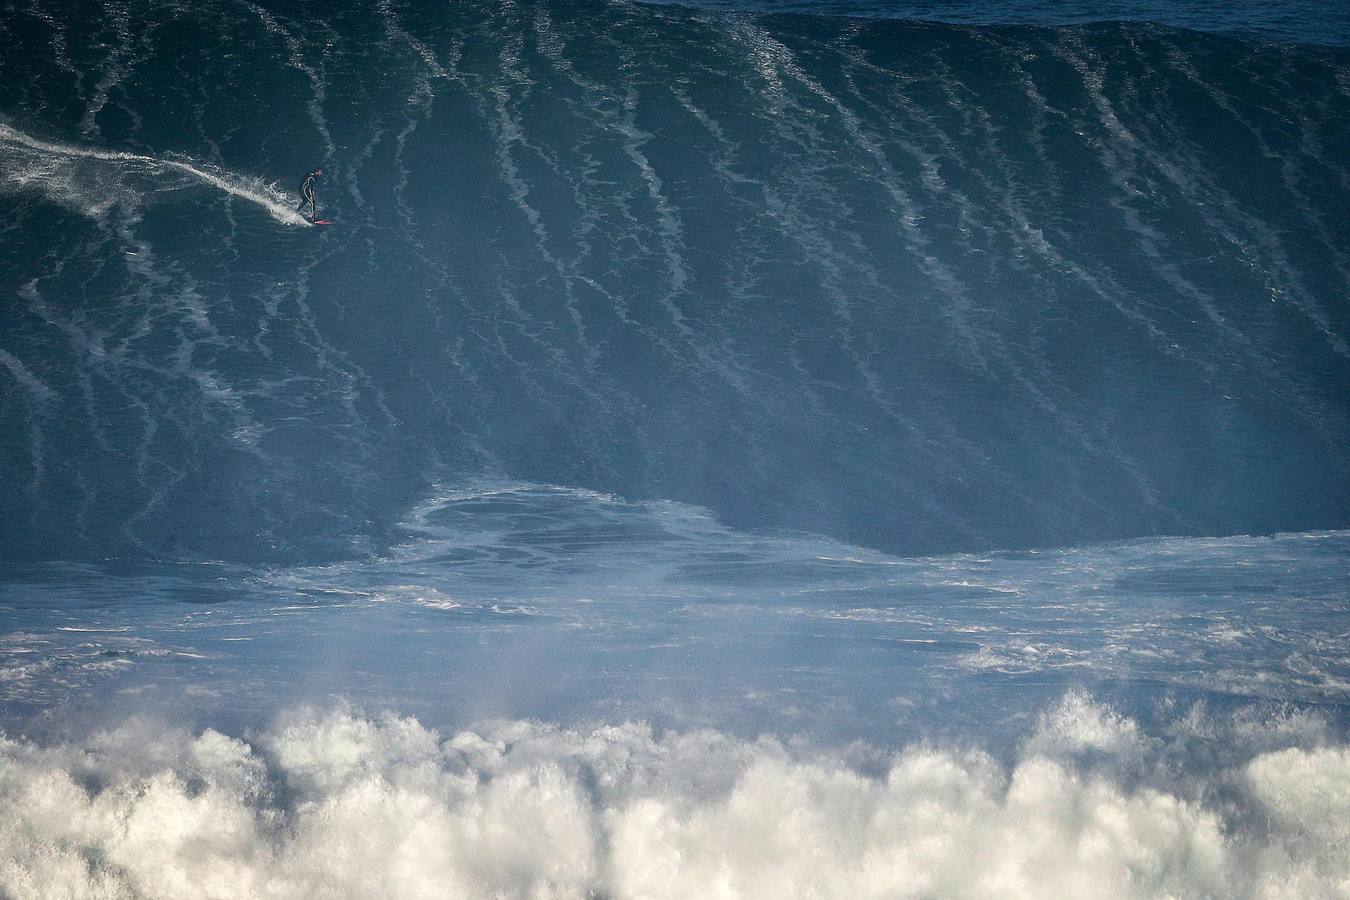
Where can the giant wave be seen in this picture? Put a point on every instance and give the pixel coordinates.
(918, 286)
(713, 453)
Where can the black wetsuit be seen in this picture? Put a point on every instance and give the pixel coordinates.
(307, 194)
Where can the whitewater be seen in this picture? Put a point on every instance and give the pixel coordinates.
(734, 449)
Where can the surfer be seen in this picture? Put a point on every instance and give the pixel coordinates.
(307, 193)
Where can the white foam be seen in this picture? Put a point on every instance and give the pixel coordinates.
(340, 805)
(253, 190)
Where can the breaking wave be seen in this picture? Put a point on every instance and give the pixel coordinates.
(337, 804)
(669, 443)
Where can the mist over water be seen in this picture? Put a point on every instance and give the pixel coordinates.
(890, 450)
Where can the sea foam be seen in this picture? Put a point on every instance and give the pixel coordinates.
(339, 804)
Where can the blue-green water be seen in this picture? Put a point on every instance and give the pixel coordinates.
(892, 450)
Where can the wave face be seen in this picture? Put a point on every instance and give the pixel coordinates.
(916, 286)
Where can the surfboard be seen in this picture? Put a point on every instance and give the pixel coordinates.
(321, 221)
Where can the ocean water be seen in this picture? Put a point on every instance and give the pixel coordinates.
(753, 449)
(1285, 21)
